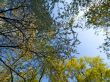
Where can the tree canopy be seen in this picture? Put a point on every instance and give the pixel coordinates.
(30, 40)
(38, 41)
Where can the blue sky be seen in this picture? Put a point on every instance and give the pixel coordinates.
(90, 43)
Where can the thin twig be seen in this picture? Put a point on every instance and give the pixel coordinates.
(11, 75)
(42, 74)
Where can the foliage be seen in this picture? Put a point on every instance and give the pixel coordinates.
(34, 44)
(88, 69)
(30, 40)
(99, 13)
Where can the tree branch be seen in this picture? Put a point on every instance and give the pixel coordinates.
(10, 9)
(12, 70)
(9, 46)
(43, 70)
(11, 75)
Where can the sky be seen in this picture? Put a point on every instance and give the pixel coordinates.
(90, 41)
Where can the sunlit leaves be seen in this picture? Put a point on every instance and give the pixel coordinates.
(88, 69)
(55, 69)
(99, 14)
(5, 76)
(30, 75)
(37, 38)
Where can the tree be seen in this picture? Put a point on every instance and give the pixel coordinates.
(29, 36)
(33, 44)
(88, 69)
